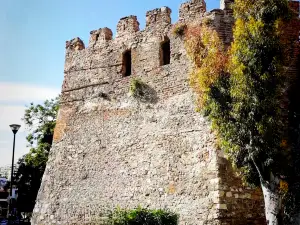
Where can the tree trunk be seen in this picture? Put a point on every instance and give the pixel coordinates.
(273, 205)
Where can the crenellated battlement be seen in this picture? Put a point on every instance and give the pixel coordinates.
(127, 26)
(192, 10)
(159, 17)
(137, 52)
(157, 21)
(100, 35)
(75, 44)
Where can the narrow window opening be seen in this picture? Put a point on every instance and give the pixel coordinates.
(165, 52)
(97, 37)
(126, 70)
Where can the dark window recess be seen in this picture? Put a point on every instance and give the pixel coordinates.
(165, 52)
(126, 68)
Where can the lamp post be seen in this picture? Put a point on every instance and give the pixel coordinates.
(14, 128)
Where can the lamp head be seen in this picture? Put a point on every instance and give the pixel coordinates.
(15, 128)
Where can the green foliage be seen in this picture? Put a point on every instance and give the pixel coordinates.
(207, 21)
(245, 97)
(251, 99)
(257, 123)
(255, 126)
(142, 92)
(141, 216)
(136, 87)
(179, 29)
(40, 120)
(206, 50)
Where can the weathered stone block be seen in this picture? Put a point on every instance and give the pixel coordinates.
(226, 4)
(101, 35)
(192, 10)
(128, 26)
(75, 44)
(158, 17)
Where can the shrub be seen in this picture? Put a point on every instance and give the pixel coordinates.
(141, 216)
(142, 92)
(136, 87)
(207, 21)
(179, 29)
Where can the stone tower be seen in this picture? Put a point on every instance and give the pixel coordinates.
(226, 4)
(111, 149)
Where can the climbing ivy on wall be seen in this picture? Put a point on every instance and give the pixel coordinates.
(210, 59)
(179, 29)
(249, 94)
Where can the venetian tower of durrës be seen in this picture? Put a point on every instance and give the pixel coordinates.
(111, 149)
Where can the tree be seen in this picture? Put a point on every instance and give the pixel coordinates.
(40, 120)
(251, 99)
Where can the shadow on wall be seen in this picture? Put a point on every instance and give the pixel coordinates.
(143, 92)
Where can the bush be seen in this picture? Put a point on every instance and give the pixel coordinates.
(207, 21)
(179, 29)
(142, 92)
(141, 216)
(136, 87)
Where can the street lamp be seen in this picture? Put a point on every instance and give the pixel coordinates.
(14, 128)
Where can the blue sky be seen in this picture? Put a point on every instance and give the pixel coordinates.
(32, 43)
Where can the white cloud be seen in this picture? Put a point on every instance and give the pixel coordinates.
(14, 97)
(10, 114)
(13, 92)
(13, 101)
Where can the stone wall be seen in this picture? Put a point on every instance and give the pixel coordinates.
(111, 149)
